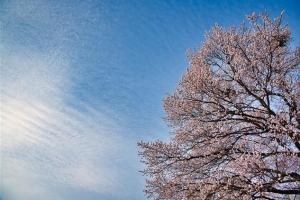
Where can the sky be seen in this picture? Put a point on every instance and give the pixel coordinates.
(83, 81)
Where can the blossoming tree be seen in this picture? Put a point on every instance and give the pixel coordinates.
(236, 119)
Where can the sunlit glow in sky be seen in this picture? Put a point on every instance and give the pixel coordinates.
(83, 81)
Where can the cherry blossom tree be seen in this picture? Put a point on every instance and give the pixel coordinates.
(236, 119)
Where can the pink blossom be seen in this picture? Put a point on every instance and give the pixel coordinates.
(236, 119)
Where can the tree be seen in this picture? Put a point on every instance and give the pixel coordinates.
(236, 119)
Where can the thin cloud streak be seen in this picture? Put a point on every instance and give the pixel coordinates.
(50, 147)
(61, 145)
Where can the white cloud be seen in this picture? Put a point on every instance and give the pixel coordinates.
(72, 147)
(51, 142)
(48, 145)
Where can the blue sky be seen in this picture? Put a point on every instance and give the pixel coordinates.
(83, 81)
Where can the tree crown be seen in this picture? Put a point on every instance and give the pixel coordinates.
(236, 119)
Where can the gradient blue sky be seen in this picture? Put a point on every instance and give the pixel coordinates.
(83, 81)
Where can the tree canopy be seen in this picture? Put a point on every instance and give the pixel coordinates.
(236, 119)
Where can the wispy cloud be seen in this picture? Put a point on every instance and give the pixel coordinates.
(49, 146)
(44, 140)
